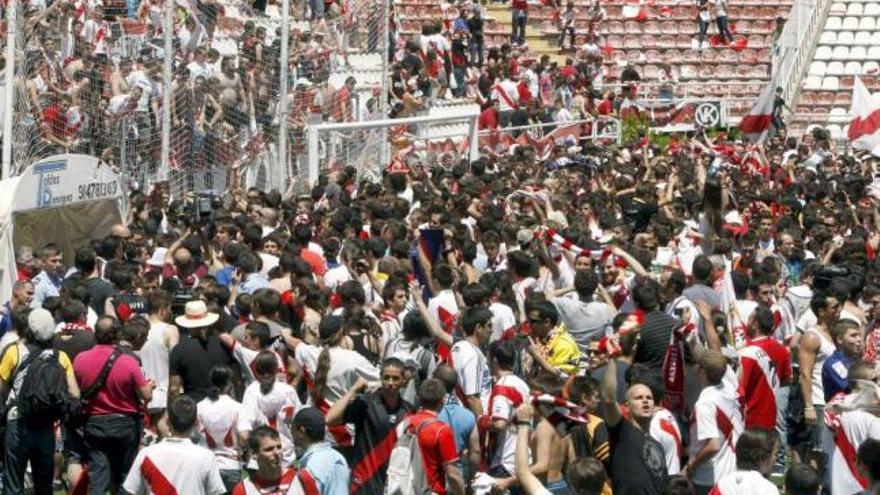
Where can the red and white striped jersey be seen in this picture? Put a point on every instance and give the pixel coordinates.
(717, 415)
(174, 466)
(246, 358)
(345, 368)
(472, 368)
(758, 385)
(292, 482)
(444, 308)
(744, 483)
(508, 393)
(503, 320)
(664, 429)
(218, 420)
(849, 430)
(275, 409)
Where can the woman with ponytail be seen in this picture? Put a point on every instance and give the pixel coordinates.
(218, 419)
(269, 402)
(330, 370)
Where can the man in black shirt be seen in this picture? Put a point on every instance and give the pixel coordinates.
(191, 359)
(475, 26)
(374, 415)
(638, 464)
(656, 328)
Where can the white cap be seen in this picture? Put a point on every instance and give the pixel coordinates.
(42, 324)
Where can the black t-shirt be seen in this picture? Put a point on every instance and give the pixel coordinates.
(373, 422)
(654, 339)
(638, 213)
(475, 26)
(638, 465)
(191, 360)
(99, 290)
(77, 342)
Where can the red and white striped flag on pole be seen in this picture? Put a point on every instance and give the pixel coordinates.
(864, 130)
(756, 124)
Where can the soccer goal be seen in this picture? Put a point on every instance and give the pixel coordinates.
(372, 146)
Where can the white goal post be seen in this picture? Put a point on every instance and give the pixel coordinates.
(367, 145)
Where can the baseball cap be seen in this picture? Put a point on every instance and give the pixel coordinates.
(42, 324)
(524, 236)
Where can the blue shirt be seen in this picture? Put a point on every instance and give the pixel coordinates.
(328, 468)
(224, 276)
(835, 374)
(45, 285)
(253, 283)
(462, 422)
(6, 320)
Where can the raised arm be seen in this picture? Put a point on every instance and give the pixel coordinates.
(613, 415)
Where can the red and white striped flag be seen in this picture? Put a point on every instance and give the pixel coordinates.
(864, 130)
(759, 118)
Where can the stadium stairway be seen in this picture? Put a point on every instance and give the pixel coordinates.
(848, 45)
(537, 43)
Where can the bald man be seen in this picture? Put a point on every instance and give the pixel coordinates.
(638, 463)
(120, 231)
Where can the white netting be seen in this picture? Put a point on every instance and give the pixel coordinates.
(433, 139)
(91, 80)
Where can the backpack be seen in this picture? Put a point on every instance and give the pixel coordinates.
(406, 472)
(43, 394)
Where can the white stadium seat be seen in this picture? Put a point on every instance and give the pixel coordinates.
(854, 9)
(824, 53)
(838, 9)
(863, 38)
(834, 68)
(872, 9)
(828, 38)
(858, 53)
(840, 53)
(852, 68)
(817, 68)
(846, 38)
(833, 23)
(837, 115)
(875, 39)
(850, 24)
(867, 23)
(870, 67)
(830, 83)
(812, 82)
(874, 52)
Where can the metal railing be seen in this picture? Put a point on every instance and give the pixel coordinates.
(796, 46)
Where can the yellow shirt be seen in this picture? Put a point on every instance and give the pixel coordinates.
(9, 362)
(562, 351)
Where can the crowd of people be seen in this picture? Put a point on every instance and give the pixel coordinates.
(699, 318)
(693, 318)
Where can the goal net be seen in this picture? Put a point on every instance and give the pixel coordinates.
(373, 146)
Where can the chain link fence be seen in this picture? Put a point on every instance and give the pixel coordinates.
(96, 79)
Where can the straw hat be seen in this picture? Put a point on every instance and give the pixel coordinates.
(196, 315)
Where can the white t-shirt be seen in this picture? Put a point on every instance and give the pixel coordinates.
(472, 369)
(443, 307)
(154, 358)
(857, 426)
(504, 407)
(275, 409)
(187, 467)
(503, 319)
(745, 483)
(336, 277)
(345, 368)
(717, 415)
(664, 429)
(246, 358)
(218, 422)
